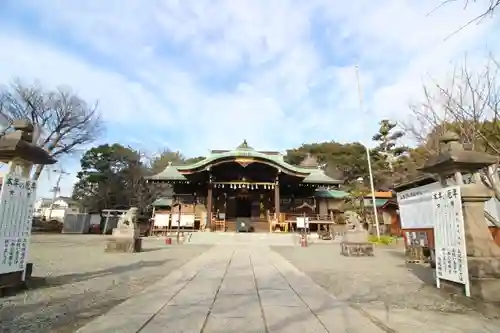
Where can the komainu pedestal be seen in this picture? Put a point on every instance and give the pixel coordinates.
(355, 243)
(126, 237)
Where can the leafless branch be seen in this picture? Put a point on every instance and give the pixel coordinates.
(468, 104)
(63, 120)
(489, 10)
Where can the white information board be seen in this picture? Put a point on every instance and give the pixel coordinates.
(302, 222)
(161, 220)
(415, 207)
(17, 198)
(416, 212)
(186, 220)
(449, 237)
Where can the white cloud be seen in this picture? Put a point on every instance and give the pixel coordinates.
(206, 74)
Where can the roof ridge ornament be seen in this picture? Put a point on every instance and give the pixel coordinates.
(244, 146)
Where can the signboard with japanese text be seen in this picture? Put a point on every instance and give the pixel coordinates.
(415, 204)
(185, 220)
(449, 235)
(17, 198)
(161, 220)
(415, 207)
(302, 222)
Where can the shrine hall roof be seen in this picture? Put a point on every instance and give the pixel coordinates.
(170, 173)
(319, 176)
(310, 175)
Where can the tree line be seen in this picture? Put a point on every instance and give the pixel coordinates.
(112, 175)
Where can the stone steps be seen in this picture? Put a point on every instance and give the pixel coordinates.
(251, 238)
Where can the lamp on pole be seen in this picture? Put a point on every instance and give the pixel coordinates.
(55, 190)
(177, 204)
(372, 187)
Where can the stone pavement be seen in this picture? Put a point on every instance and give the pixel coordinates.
(234, 289)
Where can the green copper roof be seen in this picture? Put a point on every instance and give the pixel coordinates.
(332, 194)
(163, 202)
(319, 176)
(378, 202)
(170, 173)
(244, 150)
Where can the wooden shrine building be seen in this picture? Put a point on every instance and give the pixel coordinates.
(247, 184)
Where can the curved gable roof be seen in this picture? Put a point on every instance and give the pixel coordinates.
(170, 173)
(242, 151)
(309, 175)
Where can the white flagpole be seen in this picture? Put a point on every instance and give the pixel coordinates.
(372, 187)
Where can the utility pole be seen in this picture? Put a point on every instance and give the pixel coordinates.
(56, 189)
(372, 187)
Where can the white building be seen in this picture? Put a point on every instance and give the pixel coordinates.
(45, 209)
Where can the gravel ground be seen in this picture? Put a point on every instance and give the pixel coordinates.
(381, 280)
(82, 281)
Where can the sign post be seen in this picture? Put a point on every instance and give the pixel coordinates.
(449, 233)
(17, 199)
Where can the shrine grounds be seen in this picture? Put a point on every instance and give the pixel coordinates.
(389, 291)
(83, 282)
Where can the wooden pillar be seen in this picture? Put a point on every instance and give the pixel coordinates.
(209, 206)
(277, 198)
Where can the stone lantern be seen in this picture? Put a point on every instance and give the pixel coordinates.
(454, 160)
(18, 150)
(483, 254)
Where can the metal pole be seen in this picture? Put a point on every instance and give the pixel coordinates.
(55, 190)
(106, 223)
(372, 187)
(179, 223)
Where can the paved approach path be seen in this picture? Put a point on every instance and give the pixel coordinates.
(234, 289)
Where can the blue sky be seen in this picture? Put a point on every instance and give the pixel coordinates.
(195, 75)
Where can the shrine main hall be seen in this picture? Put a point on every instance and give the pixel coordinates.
(245, 184)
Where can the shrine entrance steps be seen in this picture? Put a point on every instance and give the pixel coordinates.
(242, 238)
(258, 226)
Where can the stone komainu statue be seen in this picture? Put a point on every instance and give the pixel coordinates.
(129, 219)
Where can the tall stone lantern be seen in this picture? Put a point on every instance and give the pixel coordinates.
(17, 198)
(20, 152)
(483, 254)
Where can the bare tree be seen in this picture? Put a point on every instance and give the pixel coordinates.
(490, 9)
(469, 102)
(63, 121)
(468, 105)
